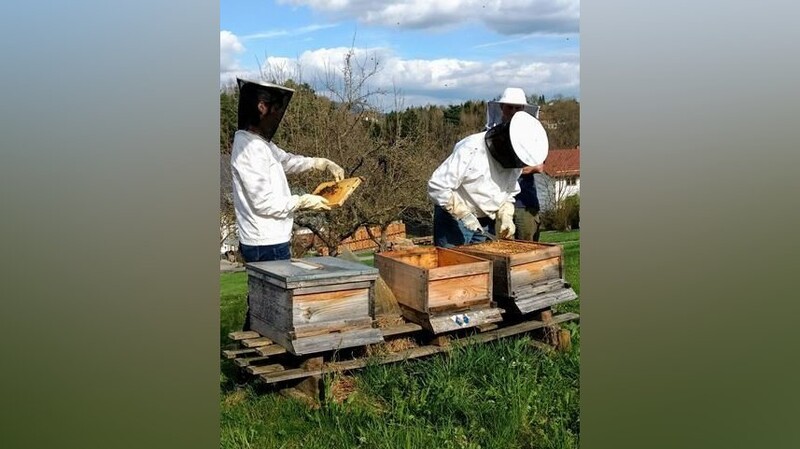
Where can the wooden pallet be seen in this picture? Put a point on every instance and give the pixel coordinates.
(270, 363)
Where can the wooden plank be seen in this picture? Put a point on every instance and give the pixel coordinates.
(448, 257)
(233, 353)
(408, 283)
(263, 369)
(330, 306)
(312, 386)
(536, 254)
(406, 328)
(487, 327)
(255, 342)
(465, 320)
(271, 350)
(464, 269)
(416, 316)
(538, 302)
(332, 287)
(456, 306)
(459, 291)
(500, 265)
(271, 305)
(287, 272)
(564, 340)
(247, 361)
(327, 327)
(532, 272)
(289, 374)
(243, 335)
(278, 336)
(332, 281)
(328, 342)
(538, 288)
(333, 367)
(424, 257)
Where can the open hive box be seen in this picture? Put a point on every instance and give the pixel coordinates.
(440, 289)
(337, 192)
(528, 276)
(313, 305)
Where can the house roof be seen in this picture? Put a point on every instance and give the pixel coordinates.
(563, 162)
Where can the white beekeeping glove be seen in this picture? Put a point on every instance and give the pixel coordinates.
(320, 163)
(505, 221)
(311, 202)
(460, 211)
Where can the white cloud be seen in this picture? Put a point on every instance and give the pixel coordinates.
(504, 17)
(435, 81)
(230, 47)
(295, 32)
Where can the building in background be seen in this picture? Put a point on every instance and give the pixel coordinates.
(561, 178)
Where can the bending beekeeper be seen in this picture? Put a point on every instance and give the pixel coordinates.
(473, 190)
(263, 202)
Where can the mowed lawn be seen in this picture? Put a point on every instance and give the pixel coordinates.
(504, 394)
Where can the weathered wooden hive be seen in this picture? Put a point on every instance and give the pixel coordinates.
(440, 289)
(528, 276)
(314, 304)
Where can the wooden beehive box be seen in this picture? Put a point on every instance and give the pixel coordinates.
(438, 288)
(314, 304)
(337, 192)
(528, 276)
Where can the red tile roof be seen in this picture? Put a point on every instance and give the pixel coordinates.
(563, 162)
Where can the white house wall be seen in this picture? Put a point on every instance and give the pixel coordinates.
(550, 190)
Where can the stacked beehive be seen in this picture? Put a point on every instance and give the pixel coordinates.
(528, 276)
(440, 289)
(313, 305)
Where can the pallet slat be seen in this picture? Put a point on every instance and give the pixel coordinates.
(271, 350)
(332, 367)
(264, 369)
(233, 353)
(243, 335)
(256, 342)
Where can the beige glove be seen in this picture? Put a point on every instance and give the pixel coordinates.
(460, 211)
(505, 221)
(320, 163)
(311, 202)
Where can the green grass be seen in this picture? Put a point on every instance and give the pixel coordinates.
(504, 394)
(556, 236)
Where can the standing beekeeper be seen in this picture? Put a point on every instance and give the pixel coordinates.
(526, 213)
(264, 205)
(473, 190)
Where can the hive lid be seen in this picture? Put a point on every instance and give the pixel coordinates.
(316, 269)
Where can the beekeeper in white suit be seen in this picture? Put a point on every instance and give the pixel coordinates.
(473, 190)
(264, 205)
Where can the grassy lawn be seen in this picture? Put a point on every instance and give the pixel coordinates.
(504, 394)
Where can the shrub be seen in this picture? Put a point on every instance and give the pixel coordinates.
(564, 217)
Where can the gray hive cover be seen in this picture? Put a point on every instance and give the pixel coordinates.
(317, 269)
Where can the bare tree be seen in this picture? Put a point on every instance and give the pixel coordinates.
(347, 128)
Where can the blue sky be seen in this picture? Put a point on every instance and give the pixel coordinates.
(428, 51)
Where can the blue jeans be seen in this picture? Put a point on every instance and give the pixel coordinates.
(449, 232)
(263, 253)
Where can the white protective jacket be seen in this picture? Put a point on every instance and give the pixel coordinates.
(471, 173)
(261, 197)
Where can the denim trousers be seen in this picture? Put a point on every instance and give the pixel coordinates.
(264, 253)
(449, 232)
